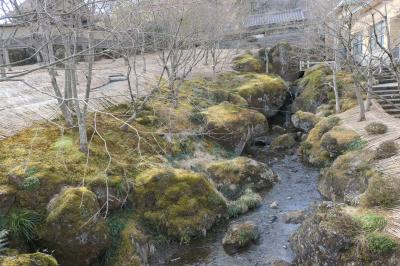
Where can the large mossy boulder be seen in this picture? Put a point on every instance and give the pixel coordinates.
(233, 126)
(74, 227)
(284, 61)
(310, 150)
(240, 236)
(325, 238)
(232, 177)
(178, 203)
(32, 259)
(265, 93)
(247, 63)
(304, 121)
(347, 178)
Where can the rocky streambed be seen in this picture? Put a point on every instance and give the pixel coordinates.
(295, 192)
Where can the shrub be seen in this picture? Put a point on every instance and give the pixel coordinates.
(22, 223)
(380, 244)
(249, 200)
(31, 183)
(386, 150)
(372, 222)
(376, 128)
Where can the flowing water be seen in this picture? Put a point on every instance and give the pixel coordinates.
(297, 190)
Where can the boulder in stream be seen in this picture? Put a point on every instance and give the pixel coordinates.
(240, 236)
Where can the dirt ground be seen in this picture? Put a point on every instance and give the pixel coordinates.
(32, 98)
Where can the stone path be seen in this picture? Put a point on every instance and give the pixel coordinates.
(22, 105)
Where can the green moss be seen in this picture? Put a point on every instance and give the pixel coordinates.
(247, 63)
(33, 259)
(372, 222)
(381, 244)
(304, 120)
(177, 203)
(31, 183)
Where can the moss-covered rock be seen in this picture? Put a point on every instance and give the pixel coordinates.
(33, 259)
(240, 236)
(382, 191)
(7, 198)
(315, 89)
(178, 203)
(283, 143)
(304, 121)
(265, 93)
(247, 63)
(233, 176)
(311, 150)
(234, 126)
(74, 228)
(284, 61)
(133, 248)
(386, 150)
(339, 140)
(324, 238)
(248, 201)
(376, 128)
(347, 178)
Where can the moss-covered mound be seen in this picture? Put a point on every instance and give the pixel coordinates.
(247, 63)
(339, 140)
(248, 201)
(178, 203)
(347, 178)
(386, 150)
(304, 121)
(74, 228)
(376, 128)
(240, 236)
(234, 126)
(382, 191)
(324, 238)
(33, 259)
(283, 143)
(315, 89)
(232, 177)
(7, 198)
(332, 237)
(265, 93)
(310, 150)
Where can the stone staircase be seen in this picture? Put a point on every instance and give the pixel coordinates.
(387, 93)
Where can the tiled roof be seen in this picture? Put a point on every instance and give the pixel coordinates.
(275, 18)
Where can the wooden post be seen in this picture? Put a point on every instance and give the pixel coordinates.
(6, 57)
(2, 66)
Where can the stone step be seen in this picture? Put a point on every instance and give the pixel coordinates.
(383, 88)
(392, 111)
(387, 92)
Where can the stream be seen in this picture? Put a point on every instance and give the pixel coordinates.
(297, 190)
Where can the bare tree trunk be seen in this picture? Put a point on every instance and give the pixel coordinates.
(335, 88)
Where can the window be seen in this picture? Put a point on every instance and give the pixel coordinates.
(380, 34)
(358, 43)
